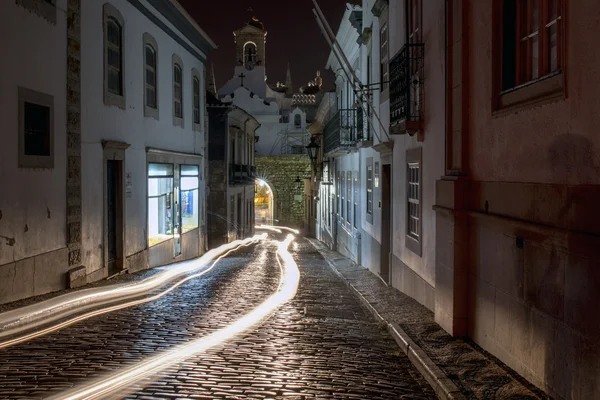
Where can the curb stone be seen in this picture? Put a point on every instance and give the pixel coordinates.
(442, 385)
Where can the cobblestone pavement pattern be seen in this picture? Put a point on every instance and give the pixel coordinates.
(323, 344)
(475, 372)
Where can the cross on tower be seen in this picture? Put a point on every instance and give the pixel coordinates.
(242, 76)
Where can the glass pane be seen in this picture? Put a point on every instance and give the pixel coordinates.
(160, 169)
(178, 109)
(150, 97)
(553, 50)
(535, 50)
(177, 74)
(150, 58)
(196, 87)
(189, 208)
(114, 57)
(113, 32)
(535, 16)
(150, 77)
(160, 210)
(36, 130)
(114, 81)
(189, 170)
(553, 9)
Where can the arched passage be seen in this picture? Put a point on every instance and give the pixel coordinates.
(263, 203)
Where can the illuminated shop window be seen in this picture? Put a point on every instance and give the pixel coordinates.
(160, 203)
(189, 197)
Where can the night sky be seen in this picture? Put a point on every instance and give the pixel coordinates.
(293, 35)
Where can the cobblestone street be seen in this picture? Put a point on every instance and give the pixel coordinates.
(322, 344)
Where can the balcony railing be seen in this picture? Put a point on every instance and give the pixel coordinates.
(406, 89)
(241, 174)
(343, 130)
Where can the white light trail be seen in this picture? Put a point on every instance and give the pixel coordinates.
(288, 284)
(266, 227)
(26, 318)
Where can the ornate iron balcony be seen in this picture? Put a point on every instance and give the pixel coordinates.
(343, 130)
(406, 89)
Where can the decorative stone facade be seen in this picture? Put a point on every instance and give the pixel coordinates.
(281, 172)
(74, 132)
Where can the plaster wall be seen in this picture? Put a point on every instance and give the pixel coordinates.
(432, 147)
(533, 274)
(129, 125)
(32, 201)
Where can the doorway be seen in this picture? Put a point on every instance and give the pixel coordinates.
(114, 215)
(263, 203)
(386, 248)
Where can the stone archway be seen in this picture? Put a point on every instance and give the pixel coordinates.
(263, 203)
(280, 172)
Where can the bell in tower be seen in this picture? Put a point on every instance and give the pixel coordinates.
(250, 44)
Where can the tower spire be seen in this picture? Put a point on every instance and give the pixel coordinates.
(288, 79)
(212, 85)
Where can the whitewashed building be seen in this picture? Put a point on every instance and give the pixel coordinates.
(385, 175)
(104, 132)
(143, 135)
(33, 156)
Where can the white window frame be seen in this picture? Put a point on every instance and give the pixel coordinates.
(369, 190)
(196, 123)
(149, 111)
(177, 119)
(110, 98)
(414, 206)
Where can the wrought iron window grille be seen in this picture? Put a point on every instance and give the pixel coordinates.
(406, 90)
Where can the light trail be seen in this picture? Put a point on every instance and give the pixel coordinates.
(20, 320)
(91, 314)
(266, 227)
(288, 285)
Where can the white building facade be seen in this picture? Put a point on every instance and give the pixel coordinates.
(103, 106)
(144, 137)
(383, 189)
(33, 157)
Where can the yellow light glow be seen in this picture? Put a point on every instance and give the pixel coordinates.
(20, 320)
(288, 285)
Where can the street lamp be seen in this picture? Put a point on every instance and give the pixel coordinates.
(313, 151)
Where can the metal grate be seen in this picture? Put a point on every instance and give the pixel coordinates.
(406, 84)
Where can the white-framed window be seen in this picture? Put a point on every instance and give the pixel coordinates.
(114, 88)
(356, 194)
(161, 224)
(177, 91)
(369, 186)
(297, 121)
(343, 196)
(196, 99)
(36, 129)
(349, 198)
(150, 76)
(414, 232)
(189, 183)
(384, 56)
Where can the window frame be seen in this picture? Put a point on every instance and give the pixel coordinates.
(524, 93)
(384, 56)
(349, 203)
(183, 175)
(112, 99)
(33, 97)
(177, 63)
(149, 111)
(369, 190)
(196, 123)
(412, 242)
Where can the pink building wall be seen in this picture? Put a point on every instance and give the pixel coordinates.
(532, 217)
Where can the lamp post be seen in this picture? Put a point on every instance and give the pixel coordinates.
(313, 152)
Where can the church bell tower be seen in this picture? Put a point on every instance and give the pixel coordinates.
(250, 44)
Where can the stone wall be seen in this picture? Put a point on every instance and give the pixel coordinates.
(280, 172)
